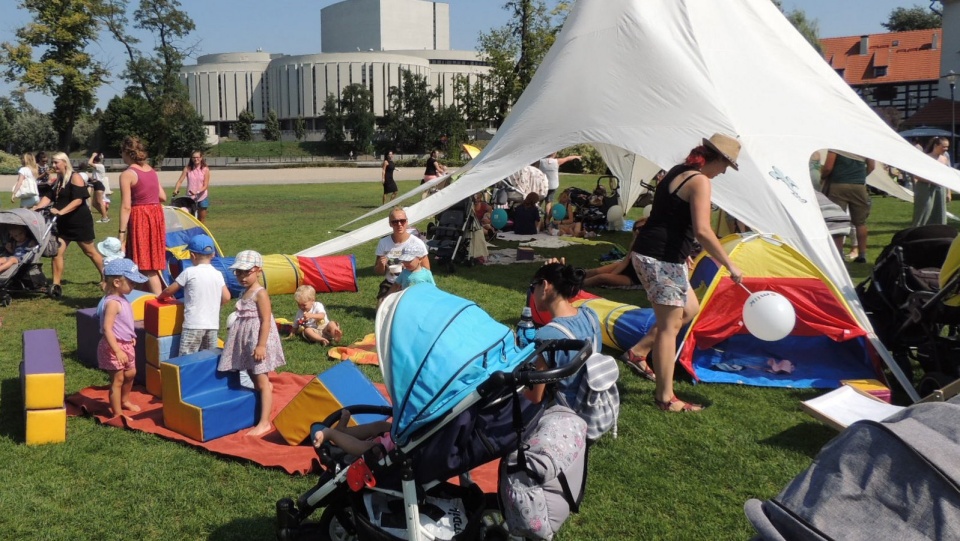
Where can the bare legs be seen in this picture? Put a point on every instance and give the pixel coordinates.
(88, 248)
(261, 382)
(670, 319)
(121, 383)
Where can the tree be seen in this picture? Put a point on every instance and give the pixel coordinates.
(452, 130)
(515, 50)
(125, 115)
(175, 126)
(300, 128)
(473, 99)
(356, 103)
(902, 19)
(333, 124)
(243, 127)
(271, 131)
(64, 69)
(409, 118)
(808, 28)
(32, 131)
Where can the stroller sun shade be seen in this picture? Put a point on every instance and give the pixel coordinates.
(435, 349)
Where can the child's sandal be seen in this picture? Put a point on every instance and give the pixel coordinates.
(675, 405)
(639, 365)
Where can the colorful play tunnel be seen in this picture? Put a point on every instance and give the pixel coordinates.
(622, 325)
(282, 274)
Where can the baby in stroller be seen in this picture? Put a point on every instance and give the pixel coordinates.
(353, 440)
(17, 248)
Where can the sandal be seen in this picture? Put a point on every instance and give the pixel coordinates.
(675, 405)
(639, 365)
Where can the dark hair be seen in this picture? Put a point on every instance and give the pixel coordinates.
(934, 141)
(531, 199)
(566, 279)
(134, 147)
(40, 156)
(701, 156)
(203, 160)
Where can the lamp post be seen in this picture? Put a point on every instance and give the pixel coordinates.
(951, 78)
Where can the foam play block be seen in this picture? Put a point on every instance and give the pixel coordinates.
(202, 403)
(88, 336)
(161, 348)
(138, 301)
(163, 318)
(46, 426)
(152, 380)
(870, 386)
(140, 351)
(341, 386)
(41, 372)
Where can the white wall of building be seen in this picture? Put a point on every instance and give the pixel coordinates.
(384, 25)
(950, 54)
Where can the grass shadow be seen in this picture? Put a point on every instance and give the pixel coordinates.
(806, 438)
(11, 404)
(245, 528)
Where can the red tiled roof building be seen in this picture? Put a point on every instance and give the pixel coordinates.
(899, 69)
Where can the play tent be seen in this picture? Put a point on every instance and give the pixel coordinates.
(827, 344)
(653, 77)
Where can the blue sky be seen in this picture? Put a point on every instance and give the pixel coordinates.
(293, 27)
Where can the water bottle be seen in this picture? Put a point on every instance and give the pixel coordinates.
(526, 330)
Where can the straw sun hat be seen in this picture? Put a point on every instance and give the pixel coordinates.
(726, 145)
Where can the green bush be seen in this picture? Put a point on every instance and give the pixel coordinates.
(9, 164)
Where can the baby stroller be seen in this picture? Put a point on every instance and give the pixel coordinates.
(27, 274)
(450, 235)
(903, 298)
(185, 203)
(454, 376)
(592, 216)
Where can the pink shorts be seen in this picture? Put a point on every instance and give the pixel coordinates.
(666, 283)
(107, 360)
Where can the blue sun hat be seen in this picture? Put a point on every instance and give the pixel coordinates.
(201, 244)
(126, 268)
(110, 249)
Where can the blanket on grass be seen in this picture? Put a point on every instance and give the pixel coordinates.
(271, 451)
(361, 352)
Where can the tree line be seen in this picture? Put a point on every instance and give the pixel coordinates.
(50, 56)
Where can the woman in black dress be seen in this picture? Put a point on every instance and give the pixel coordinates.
(74, 221)
(386, 178)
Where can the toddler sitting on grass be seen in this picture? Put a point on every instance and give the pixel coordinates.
(311, 321)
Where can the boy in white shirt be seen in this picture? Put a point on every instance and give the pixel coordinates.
(204, 292)
(311, 321)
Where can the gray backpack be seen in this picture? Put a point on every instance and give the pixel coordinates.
(543, 481)
(598, 399)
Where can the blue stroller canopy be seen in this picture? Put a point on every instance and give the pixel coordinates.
(435, 349)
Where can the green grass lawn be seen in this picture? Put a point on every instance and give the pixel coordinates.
(666, 476)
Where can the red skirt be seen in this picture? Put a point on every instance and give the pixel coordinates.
(147, 237)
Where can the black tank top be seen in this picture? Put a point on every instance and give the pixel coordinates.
(388, 176)
(668, 234)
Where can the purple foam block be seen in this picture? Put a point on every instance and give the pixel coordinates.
(88, 336)
(41, 352)
(141, 354)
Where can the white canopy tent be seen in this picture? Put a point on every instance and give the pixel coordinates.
(653, 77)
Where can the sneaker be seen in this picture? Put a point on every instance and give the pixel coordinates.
(860, 259)
(104, 220)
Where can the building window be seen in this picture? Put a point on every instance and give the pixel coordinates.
(840, 72)
(879, 71)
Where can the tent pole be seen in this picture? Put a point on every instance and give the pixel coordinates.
(894, 368)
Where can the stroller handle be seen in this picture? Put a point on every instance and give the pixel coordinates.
(546, 349)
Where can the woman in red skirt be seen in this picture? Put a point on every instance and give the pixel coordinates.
(142, 228)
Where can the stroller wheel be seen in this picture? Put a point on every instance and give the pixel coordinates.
(5, 300)
(932, 382)
(336, 524)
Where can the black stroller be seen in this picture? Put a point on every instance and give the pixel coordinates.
(455, 378)
(27, 274)
(904, 300)
(450, 235)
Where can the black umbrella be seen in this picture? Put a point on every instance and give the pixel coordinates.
(926, 131)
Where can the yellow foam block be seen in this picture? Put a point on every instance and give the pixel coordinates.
(43, 391)
(163, 318)
(154, 381)
(46, 426)
(313, 403)
(138, 301)
(870, 386)
(178, 416)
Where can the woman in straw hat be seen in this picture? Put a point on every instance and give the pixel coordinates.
(680, 214)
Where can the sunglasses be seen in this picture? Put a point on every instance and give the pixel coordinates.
(535, 283)
(398, 222)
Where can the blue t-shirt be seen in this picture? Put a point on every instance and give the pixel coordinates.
(421, 276)
(584, 326)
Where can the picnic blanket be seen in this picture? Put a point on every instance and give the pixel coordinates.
(271, 451)
(361, 352)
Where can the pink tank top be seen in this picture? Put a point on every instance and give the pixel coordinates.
(123, 328)
(147, 189)
(195, 182)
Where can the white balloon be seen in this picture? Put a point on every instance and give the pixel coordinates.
(768, 315)
(231, 318)
(646, 211)
(615, 218)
